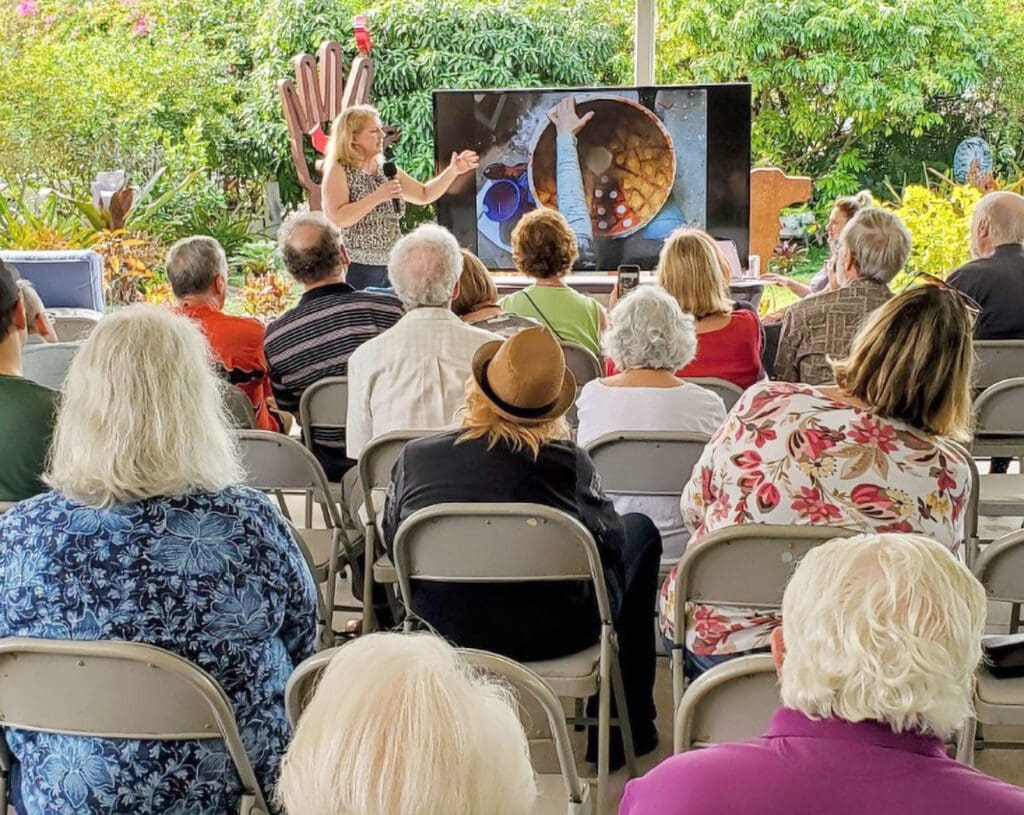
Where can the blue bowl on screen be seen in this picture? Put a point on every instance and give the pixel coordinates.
(502, 200)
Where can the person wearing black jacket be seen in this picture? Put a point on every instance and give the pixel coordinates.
(513, 447)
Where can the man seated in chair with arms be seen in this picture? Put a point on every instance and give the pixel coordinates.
(876, 654)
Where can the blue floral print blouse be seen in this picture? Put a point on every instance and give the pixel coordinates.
(213, 577)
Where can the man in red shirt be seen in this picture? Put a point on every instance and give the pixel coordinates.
(197, 269)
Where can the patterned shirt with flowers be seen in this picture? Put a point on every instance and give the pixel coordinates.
(791, 454)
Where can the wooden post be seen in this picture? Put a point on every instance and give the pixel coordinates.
(770, 191)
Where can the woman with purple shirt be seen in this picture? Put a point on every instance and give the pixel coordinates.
(876, 659)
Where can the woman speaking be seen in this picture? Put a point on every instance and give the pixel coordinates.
(367, 205)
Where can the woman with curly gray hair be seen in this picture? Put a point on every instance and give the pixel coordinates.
(649, 339)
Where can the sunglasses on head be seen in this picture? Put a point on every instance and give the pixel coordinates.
(970, 305)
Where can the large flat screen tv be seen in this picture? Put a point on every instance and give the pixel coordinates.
(646, 161)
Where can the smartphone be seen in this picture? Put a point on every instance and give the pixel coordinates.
(629, 278)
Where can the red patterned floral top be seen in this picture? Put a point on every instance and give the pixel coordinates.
(791, 454)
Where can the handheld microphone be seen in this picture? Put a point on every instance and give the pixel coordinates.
(390, 173)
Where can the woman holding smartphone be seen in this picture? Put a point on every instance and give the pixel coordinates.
(364, 202)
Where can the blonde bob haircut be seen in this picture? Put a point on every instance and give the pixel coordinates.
(913, 361)
(478, 419)
(476, 286)
(882, 628)
(690, 270)
(399, 725)
(142, 414)
(351, 122)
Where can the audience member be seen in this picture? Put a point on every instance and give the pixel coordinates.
(412, 376)
(544, 247)
(197, 270)
(825, 280)
(40, 329)
(513, 447)
(995, 278)
(869, 453)
(26, 408)
(477, 302)
(400, 725)
(317, 338)
(147, 537)
(872, 249)
(648, 340)
(728, 339)
(876, 662)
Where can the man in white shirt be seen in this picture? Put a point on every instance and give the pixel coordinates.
(413, 376)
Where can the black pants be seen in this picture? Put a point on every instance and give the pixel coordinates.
(363, 275)
(641, 557)
(770, 349)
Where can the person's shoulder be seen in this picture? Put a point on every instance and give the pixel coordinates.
(427, 448)
(27, 389)
(711, 780)
(379, 300)
(694, 394)
(746, 318)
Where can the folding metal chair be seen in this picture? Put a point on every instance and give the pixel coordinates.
(117, 690)
(323, 406)
(375, 464)
(532, 692)
(276, 463)
(997, 360)
(648, 463)
(747, 566)
(733, 701)
(325, 605)
(999, 702)
(522, 543)
(999, 431)
(972, 540)
(239, 408)
(584, 366)
(729, 392)
(73, 324)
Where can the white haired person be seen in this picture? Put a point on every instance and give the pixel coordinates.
(649, 339)
(413, 376)
(146, 536)
(400, 725)
(876, 659)
(873, 247)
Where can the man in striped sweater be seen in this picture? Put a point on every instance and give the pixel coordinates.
(315, 339)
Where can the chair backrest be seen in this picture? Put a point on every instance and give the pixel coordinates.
(47, 362)
(116, 690)
(746, 565)
(997, 360)
(582, 362)
(73, 325)
(730, 702)
(376, 461)
(1000, 568)
(273, 462)
(496, 543)
(729, 392)
(324, 404)
(971, 509)
(532, 693)
(999, 409)
(239, 408)
(646, 463)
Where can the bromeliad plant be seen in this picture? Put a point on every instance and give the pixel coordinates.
(40, 223)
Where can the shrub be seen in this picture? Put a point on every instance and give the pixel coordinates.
(265, 295)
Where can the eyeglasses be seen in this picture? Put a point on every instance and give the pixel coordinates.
(970, 305)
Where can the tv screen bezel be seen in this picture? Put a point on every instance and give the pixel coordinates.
(727, 168)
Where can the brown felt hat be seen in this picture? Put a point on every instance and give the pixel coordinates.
(524, 378)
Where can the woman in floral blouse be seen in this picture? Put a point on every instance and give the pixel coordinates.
(147, 537)
(869, 453)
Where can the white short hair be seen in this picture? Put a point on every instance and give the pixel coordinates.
(883, 628)
(142, 414)
(425, 266)
(399, 724)
(879, 243)
(648, 329)
(1004, 211)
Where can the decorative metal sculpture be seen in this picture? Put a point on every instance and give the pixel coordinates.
(318, 96)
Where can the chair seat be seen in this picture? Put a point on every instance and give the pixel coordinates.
(575, 675)
(999, 701)
(1002, 494)
(320, 543)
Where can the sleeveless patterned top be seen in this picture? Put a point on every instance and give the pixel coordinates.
(370, 239)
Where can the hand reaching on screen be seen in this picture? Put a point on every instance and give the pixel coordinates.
(465, 161)
(564, 117)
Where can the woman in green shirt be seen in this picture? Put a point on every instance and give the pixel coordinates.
(545, 248)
